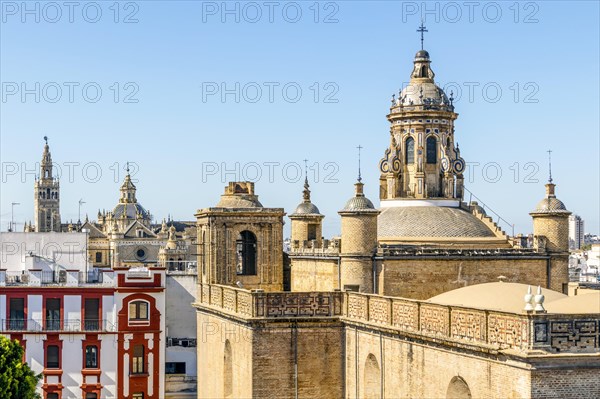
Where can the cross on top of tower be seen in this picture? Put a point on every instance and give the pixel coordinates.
(422, 29)
(359, 177)
(549, 166)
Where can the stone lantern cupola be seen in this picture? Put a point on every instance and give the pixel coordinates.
(307, 222)
(422, 160)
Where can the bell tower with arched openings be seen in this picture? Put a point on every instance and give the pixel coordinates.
(422, 160)
(240, 242)
(47, 196)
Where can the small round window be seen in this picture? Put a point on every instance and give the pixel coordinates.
(140, 253)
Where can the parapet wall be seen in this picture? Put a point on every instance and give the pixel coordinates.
(485, 330)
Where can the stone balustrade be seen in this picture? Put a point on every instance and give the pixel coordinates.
(259, 304)
(492, 330)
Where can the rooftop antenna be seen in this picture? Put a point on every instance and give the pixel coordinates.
(359, 177)
(549, 165)
(81, 201)
(422, 30)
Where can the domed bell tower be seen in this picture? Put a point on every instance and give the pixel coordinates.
(422, 160)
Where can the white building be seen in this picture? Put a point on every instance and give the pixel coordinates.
(92, 334)
(576, 232)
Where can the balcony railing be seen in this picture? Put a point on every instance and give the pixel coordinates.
(41, 325)
(60, 278)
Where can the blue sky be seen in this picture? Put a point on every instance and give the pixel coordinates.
(161, 70)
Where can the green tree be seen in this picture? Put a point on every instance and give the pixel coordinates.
(17, 380)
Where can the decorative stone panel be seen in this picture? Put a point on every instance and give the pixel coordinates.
(468, 324)
(434, 319)
(405, 315)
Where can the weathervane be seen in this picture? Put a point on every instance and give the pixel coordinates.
(127, 168)
(359, 177)
(422, 30)
(549, 165)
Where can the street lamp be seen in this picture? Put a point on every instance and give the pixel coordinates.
(12, 215)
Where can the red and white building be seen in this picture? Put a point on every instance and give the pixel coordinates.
(92, 332)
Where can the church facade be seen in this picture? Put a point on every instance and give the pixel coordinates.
(424, 296)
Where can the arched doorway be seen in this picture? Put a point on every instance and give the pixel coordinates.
(372, 384)
(458, 389)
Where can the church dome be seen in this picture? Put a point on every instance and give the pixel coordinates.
(550, 205)
(129, 210)
(430, 222)
(307, 208)
(422, 54)
(359, 203)
(423, 93)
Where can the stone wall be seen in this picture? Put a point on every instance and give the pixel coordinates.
(269, 345)
(314, 274)
(555, 229)
(566, 383)
(353, 345)
(412, 370)
(215, 334)
(423, 278)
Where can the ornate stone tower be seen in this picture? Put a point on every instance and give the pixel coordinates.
(307, 221)
(127, 210)
(47, 196)
(240, 242)
(422, 160)
(359, 242)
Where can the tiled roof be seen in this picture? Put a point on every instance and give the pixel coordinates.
(430, 221)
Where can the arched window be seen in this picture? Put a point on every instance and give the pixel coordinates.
(424, 71)
(138, 310)
(372, 378)
(246, 253)
(431, 149)
(227, 371)
(458, 389)
(409, 149)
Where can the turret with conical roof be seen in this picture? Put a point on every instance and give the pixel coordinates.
(307, 221)
(551, 235)
(551, 221)
(359, 242)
